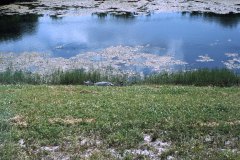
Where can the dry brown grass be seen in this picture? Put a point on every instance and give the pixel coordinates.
(19, 121)
(70, 120)
(88, 92)
(216, 124)
(70, 89)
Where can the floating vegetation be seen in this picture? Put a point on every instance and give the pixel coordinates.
(126, 59)
(119, 64)
(234, 62)
(76, 7)
(232, 54)
(204, 58)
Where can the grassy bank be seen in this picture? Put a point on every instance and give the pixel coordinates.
(202, 77)
(76, 122)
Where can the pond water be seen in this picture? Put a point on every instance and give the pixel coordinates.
(197, 39)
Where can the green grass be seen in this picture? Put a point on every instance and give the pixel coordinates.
(199, 122)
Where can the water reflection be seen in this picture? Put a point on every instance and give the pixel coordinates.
(15, 26)
(226, 20)
(190, 37)
(3, 2)
(117, 15)
(56, 18)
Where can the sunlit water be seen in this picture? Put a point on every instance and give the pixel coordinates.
(200, 40)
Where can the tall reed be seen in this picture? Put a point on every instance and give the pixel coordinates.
(201, 77)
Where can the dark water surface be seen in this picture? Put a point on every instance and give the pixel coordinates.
(185, 36)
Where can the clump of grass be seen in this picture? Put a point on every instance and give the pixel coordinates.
(202, 77)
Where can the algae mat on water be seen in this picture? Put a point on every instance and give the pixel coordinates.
(132, 7)
(142, 122)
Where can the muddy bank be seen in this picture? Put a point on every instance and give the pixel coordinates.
(120, 7)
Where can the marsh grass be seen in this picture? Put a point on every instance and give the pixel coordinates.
(78, 76)
(201, 77)
(19, 77)
(74, 77)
